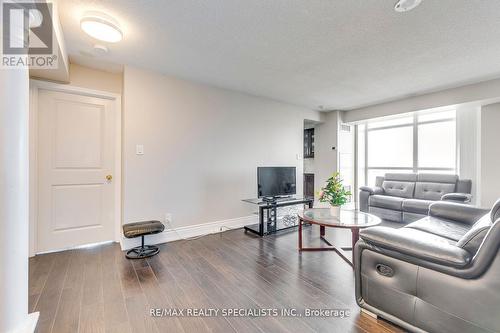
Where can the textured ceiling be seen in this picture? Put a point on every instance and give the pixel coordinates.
(341, 54)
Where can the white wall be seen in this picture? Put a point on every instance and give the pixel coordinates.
(202, 146)
(490, 154)
(85, 77)
(482, 93)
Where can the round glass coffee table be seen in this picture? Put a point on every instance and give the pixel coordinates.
(348, 219)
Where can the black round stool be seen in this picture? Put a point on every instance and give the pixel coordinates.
(141, 229)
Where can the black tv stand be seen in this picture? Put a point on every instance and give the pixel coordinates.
(269, 199)
(268, 216)
(276, 198)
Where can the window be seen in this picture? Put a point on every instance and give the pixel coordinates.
(436, 145)
(420, 142)
(390, 147)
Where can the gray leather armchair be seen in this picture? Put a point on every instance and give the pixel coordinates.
(438, 274)
(406, 197)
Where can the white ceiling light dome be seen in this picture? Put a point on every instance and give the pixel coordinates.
(406, 5)
(101, 27)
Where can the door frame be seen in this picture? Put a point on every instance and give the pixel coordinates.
(35, 87)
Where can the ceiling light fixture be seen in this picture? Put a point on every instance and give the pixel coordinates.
(406, 5)
(101, 27)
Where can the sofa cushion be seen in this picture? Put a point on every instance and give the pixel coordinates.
(432, 191)
(417, 206)
(445, 228)
(472, 240)
(385, 201)
(402, 177)
(437, 178)
(412, 217)
(398, 188)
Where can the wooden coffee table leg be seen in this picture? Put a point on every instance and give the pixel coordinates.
(322, 234)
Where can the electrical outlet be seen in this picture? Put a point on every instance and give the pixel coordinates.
(168, 220)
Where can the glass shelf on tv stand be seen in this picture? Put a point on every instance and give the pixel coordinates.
(277, 200)
(269, 221)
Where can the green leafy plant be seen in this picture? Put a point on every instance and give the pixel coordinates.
(334, 192)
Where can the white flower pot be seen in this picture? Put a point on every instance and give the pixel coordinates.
(335, 211)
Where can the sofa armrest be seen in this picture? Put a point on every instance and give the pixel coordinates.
(372, 189)
(457, 212)
(412, 244)
(364, 196)
(457, 197)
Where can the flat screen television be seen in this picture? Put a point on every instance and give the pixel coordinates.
(276, 181)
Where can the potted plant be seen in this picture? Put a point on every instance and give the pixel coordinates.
(334, 193)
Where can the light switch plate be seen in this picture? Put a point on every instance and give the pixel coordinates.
(139, 150)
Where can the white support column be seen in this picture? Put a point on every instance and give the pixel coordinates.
(469, 147)
(14, 229)
(490, 159)
(14, 105)
(325, 149)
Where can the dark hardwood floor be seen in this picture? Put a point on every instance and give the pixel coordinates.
(98, 290)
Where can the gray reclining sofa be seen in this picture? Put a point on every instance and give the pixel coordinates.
(406, 197)
(438, 274)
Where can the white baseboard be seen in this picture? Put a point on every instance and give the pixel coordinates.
(190, 231)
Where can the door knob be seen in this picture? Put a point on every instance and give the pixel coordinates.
(109, 178)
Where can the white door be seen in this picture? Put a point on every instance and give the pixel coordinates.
(75, 157)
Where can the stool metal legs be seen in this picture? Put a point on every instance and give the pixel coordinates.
(142, 251)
